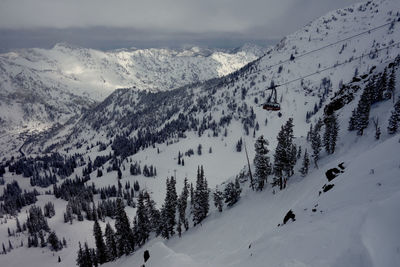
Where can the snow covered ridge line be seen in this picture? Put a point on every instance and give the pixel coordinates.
(39, 87)
(146, 69)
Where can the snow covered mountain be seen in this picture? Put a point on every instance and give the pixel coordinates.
(328, 67)
(40, 88)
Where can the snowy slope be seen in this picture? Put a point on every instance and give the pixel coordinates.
(354, 223)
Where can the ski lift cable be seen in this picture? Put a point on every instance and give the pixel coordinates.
(330, 67)
(326, 46)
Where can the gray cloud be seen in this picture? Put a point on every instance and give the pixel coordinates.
(109, 24)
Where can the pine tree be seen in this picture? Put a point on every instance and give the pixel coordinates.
(285, 154)
(93, 257)
(170, 205)
(124, 235)
(261, 164)
(179, 227)
(352, 121)
(19, 229)
(43, 242)
(87, 256)
(153, 213)
(239, 145)
(363, 109)
(232, 192)
(182, 204)
(299, 153)
(394, 119)
(218, 199)
(119, 173)
(382, 85)
(316, 145)
(80, 258)
(36, 221)
(100, 245)
(201, 198)
(305, 165)
(54, 241)
(143, 222)
(111, 244)
(392, 83)
(331, 133)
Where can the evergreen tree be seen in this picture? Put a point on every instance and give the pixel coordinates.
(35, 241)
(232, 192)
(80, 259)
(285, 154)
(19, 229)
(36, 220)
(392, 83)
(239, 145)
(111, 244)
(124, 235)
(201, 198)
(305, 165)
(43, 242)
(49, 210)
(382, 85)
(93, 257)
(331, 133)
(261, 164)
(101, 251)
(170, 205)
(394, 119)
(363, 109)
(142, 221)
(359, 119)
(316, 145)
(54, 241)
(218, 199)
(182, 204)
(352, 121)
(153, 213)
(87, 256)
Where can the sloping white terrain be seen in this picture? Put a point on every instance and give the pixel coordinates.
(353, 224)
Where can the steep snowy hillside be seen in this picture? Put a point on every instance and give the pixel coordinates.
(353, 224)
(341, 71)
(39, 87)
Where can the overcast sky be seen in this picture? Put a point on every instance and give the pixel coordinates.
(108, 24)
